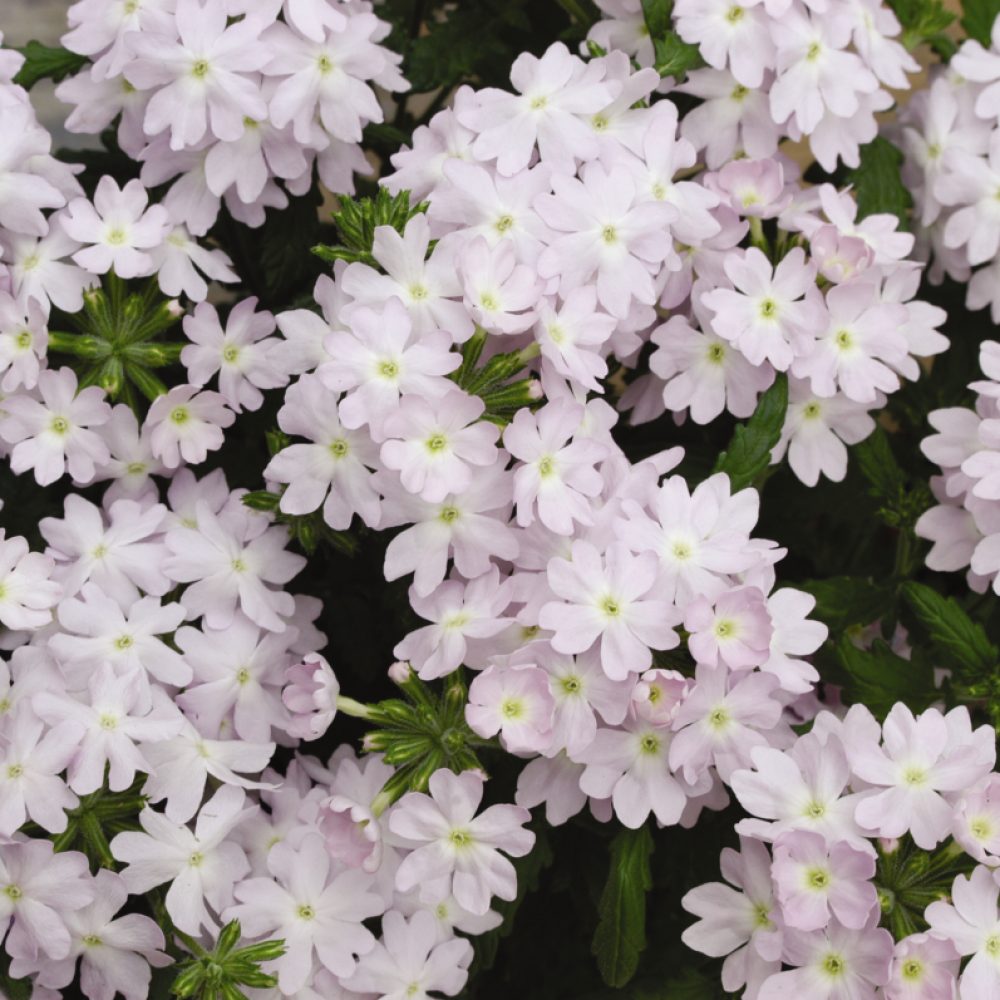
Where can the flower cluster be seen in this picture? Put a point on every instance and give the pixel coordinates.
(965, 524)
(950, 133)
(232, 103)
(814, 875)
(776, 70)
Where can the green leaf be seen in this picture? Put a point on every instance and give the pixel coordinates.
(978, 17)
(358, 218)
(878, 186)
(749, 451)
(657, 16)
(923, 21)
(621, 932)
(844, 601)
(42, 62)
(879, 677)
(879, 466)
(674, 56)
(958, 641)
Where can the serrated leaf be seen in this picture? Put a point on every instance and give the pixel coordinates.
(844, 601)
(674, 56)
(878, 186)
(749, 451)
(43, 62)
(959, 641)
(978, 17)
(879, 678)
(621, 932)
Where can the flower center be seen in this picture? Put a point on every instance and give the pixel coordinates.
(716, 354)
(242, 676)
(124, 642)
(649, 744)
(488, 301)
(912, 969)
(418, 292)
(59, 425)
(739, 92)
(993, 945)
(196, 859)
(306, 912)
(23, 340)
(681, 551)
(725, 629)
(571, 684)
(611, 607)
(437, 442)
(12, 892)
(180, 415)
(768, 308)
(718, 718)
(449, 514)
(339, 448)
(135, 468)
(116, 236)
(610, 235)
(15, 771)
(92, 941)
(811, 411)
(735, 14)
(915, 776)
(324, 64)
(388, 369)
(834, 965)
(108, 722)
(814, 810)
(818, 878)
(230, 353)
(812, 53)
(546, 466)
(503, 223)
(511, 708)
(460, 839)
(844, 340)
(981, 828)
(200, 69)
(538, 103)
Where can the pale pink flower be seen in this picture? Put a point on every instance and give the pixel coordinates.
(612, 599)
(555, 94)
(470, 527)
(815, 878)
(96, 629)
(202, 865)
(804, 788)
(313, 906)
(922, 763)
(976, 823)
(743, 924)
(611, 236)
(455, 851)
(411, 960)
(181, 262)
(971, 923)
(766, 317)
(233, 562)
(728, 35)
(499, 291)
(115, 954)
(53, 434)
(118, 229)
(240, 353)
(721, 720)
(557, 476)
(427, 283)
(554, 781)
(460, 612)
(630, 767)
(27, 592)
(335, 470)
(735, 632)
(515, 702)
(435, 445)
(202, 74)
(571, 336)
(239, 671)
(924, 967)
(110, 724)
(23, 343)
(185, 425)
(38, 886)
(30, 765)
(382, 357)
(836, 963)
(310, 694)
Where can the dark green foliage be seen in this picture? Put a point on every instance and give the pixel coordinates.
(878, 677)
(749, 453)
(621, 933)
(878, 186)
(43, 62)
(925, 21)
(978, 17)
